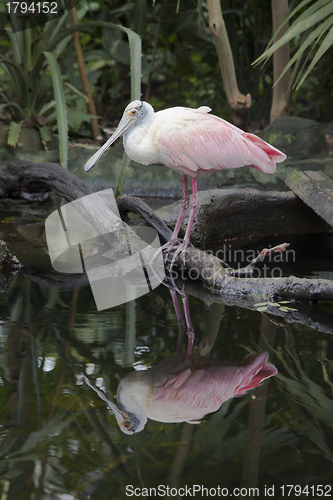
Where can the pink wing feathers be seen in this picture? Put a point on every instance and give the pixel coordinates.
(193, 393)
(205, 142)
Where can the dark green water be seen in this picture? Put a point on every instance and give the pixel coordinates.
(59, 440)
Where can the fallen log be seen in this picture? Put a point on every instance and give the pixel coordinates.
(315, 189)
(214, 275)
(21, 179)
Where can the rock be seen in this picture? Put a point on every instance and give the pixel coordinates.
(296, 137)
(238, 214)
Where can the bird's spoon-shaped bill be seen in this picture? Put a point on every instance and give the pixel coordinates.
(124, 125)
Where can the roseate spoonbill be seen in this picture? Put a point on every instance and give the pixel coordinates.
(181, 389)
(190, 141)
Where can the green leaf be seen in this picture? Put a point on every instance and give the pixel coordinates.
(326, 44)
(261, 303)
(77, 115)
(76, 91)
(139, 16)
(135, 49)
(135, 66)
(308, 12)
(28, 41)
(262, 309)
(317, 33)
(296, 29)
(12, 77)
(45, 134)
(22, 82)
(53, 27)
(316, 6)
(14, 106)
(287, 309)
(61, 107)
(62, 45)
(47, 107)
(14, 132)
(17, 44)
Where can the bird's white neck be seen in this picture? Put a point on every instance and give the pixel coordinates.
(135, 138)
(132, 394)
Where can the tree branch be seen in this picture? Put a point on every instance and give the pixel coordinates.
(239, 103)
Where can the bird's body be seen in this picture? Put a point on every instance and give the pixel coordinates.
(185, 389)
(190, 141)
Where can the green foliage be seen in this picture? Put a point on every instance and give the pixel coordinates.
(315, 23)
(264, 306)
(25, 73)
(60, 106)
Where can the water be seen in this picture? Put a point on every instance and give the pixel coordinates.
(60, 441)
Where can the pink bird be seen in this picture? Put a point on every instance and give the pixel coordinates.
(190, 141)
(181, 389)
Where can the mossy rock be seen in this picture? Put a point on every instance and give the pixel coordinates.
(296, 137)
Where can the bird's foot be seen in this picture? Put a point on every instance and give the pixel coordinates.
(166, 248)
(181, 248)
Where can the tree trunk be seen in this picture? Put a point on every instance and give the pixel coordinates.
(281, 104)
(239, 103)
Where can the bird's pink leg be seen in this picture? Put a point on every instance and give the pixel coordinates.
(181, 326)
(194, 206)
(186, 241)
(190, 329)
(173, 243)
(174, 236)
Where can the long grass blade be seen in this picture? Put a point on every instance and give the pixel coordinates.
(61, 107)
(308, 12)
(22, 82)
(12, 77)
(318, 32)
(297, 29)
(135, 49)
(28, 40)
(326, 44)
(16, 45)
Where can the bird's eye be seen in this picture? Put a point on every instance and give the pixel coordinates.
(127, 424)
(133, 112)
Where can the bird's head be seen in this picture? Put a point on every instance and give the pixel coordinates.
(128, 422)
(134, 113)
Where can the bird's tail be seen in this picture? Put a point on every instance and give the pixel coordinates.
(274, 154)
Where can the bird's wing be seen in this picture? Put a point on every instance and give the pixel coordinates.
(193, 393)
(194, 141)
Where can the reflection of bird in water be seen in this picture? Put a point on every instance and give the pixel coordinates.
(183, 389)
(190, 141)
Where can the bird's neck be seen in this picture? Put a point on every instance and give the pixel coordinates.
(133, 395)
(137, 141)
